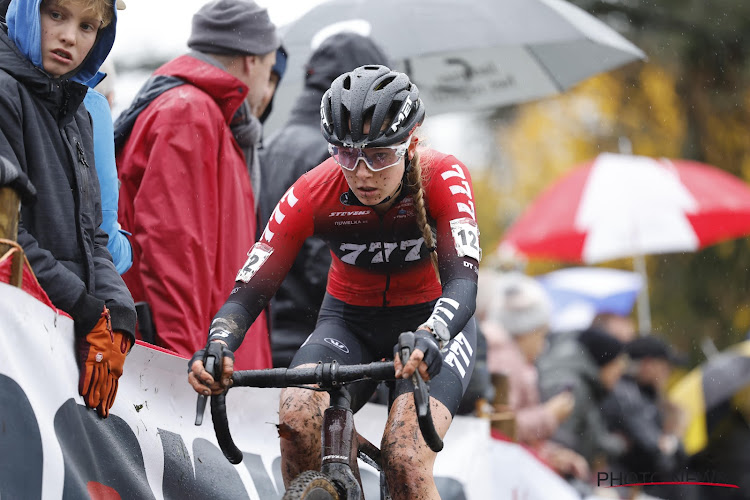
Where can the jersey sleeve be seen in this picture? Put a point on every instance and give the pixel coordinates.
(267, 264)
(450, 201)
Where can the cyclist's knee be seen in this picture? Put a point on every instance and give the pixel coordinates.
(300, 423)
(301, 412)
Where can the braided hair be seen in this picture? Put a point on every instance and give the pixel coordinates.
(414, 182)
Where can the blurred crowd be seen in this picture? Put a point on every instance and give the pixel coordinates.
(593, 402)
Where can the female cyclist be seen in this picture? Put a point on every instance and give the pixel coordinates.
(401, 226)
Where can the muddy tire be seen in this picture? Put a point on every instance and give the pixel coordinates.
(311, 485)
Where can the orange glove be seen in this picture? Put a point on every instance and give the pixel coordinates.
(93, 354)
(101, 356)
(119, 349)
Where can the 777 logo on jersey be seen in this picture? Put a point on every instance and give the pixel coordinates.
(377, 253)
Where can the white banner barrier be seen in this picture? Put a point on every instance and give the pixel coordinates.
(54, 447)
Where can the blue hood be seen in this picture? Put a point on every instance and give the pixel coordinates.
(24, 28)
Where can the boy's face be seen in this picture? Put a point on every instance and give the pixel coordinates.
(68, 34)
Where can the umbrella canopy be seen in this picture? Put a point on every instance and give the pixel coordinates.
(578, 294)
(466, 56)
(623, 205)
(711, 391)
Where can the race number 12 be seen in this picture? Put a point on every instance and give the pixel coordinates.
(466, 238)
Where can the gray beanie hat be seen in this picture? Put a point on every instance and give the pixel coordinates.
(233, 27)
(521, 304)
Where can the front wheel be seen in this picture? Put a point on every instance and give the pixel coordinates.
(311, 485)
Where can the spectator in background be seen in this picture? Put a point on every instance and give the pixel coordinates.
(99, 106)
(516, 331)
(46, 58)
(619, 326)
(516, 328)
(186, 150)
(636, 408)
(262, 113)
(277, 73)
(727, 452)
(295, 149)
(588, 364)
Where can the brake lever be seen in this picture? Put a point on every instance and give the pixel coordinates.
(200, 409)
(406, 342)
(421, 400)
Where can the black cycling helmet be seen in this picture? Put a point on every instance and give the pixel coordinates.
(385, 98)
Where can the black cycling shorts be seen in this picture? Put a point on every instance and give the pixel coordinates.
(358, 334)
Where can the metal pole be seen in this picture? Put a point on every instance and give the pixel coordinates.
(625, 147)
(644, 310)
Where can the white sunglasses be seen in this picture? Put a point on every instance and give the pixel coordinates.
(376, 159)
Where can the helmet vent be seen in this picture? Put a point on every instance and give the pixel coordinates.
(367, 118)
(384, 83)
(392, 112)
(345, 120)
(347, 84)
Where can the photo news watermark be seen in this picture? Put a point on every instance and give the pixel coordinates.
(694, 478)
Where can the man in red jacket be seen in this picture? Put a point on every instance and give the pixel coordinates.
(186, 156)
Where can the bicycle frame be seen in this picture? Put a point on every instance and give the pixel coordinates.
(338, 437)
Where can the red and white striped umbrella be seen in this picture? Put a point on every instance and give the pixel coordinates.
(623, 205)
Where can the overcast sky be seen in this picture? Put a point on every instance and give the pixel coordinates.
(159, 27)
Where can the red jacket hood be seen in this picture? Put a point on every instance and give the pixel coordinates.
(227, 90)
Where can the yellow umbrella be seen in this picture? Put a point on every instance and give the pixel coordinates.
(708, 392)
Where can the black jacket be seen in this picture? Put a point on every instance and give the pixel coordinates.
(296, 148)
(633, 411)
(47, 134)
(567, 365)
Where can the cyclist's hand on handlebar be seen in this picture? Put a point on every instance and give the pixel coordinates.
(202, 380)
(426, 358)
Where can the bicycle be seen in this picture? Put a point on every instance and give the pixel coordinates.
(337, 477)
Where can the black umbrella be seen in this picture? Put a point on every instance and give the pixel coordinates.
(467, 56)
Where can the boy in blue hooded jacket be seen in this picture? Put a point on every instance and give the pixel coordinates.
(49, 49)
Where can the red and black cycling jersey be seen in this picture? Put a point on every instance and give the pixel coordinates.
(378, 260)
